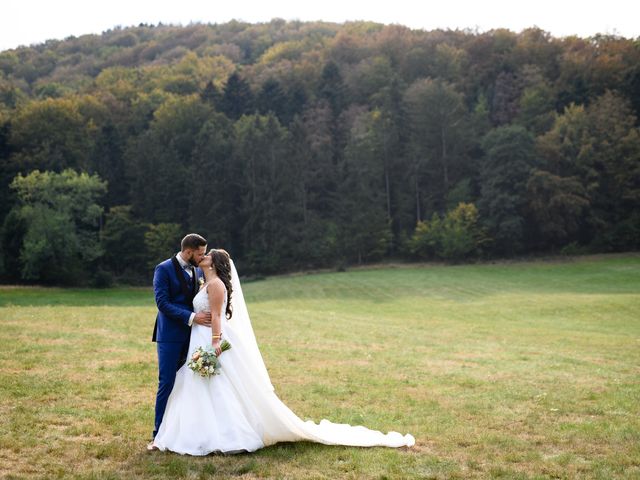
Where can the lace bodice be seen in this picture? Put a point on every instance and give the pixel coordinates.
(201, 301)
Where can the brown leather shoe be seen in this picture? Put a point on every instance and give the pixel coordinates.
(151, 447)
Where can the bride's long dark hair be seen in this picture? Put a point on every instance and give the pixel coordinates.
(221, 262)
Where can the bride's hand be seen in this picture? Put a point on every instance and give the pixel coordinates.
(216, 346)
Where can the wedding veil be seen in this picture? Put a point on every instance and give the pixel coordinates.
(276, 421)
(241, 324)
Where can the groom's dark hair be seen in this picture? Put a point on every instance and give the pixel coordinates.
(193, 241)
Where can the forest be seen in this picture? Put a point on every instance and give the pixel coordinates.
(303, 145)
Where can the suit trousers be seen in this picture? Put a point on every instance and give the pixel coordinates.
(171, 356)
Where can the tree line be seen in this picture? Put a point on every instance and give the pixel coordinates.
(301, 145)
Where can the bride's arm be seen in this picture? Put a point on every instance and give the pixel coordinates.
(215, 290)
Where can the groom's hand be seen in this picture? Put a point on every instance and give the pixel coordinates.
(203, 318)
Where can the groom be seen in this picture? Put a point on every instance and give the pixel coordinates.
(175, 283)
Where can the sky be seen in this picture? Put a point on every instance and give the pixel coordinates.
(26, 22)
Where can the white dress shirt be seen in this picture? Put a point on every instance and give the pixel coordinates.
(187, 266)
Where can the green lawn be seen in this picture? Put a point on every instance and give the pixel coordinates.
(508, 370)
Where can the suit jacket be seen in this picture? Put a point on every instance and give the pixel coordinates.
(174, 291)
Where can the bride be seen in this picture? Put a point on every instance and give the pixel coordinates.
(237, 410)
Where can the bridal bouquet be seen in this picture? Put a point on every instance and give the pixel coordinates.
(204, 360)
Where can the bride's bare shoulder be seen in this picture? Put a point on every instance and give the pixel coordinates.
(215, 286)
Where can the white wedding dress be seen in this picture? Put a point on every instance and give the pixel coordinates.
(237, 410)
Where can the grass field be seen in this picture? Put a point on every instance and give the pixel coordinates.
(510, 370)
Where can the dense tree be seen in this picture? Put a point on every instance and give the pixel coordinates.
(8, 170)
(14, 229)
(237, 98)
(211, 94)
(60, 217)
(599, 147)
(557, 205)
(332, 88)
(437, 112)
(455, 236)
(108, 162)
(315, 182)
(507, 166)
(123, 240)
(316, 165)
(507, 90)
(272, 99)
(303, 145)
(268, 209)
(50, 135)
(213, 182)
(161, 241)
(363, 204)
(160, 161)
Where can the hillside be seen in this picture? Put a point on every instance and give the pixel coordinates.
(303, 145)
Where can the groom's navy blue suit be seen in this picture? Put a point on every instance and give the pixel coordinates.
(174, 291)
